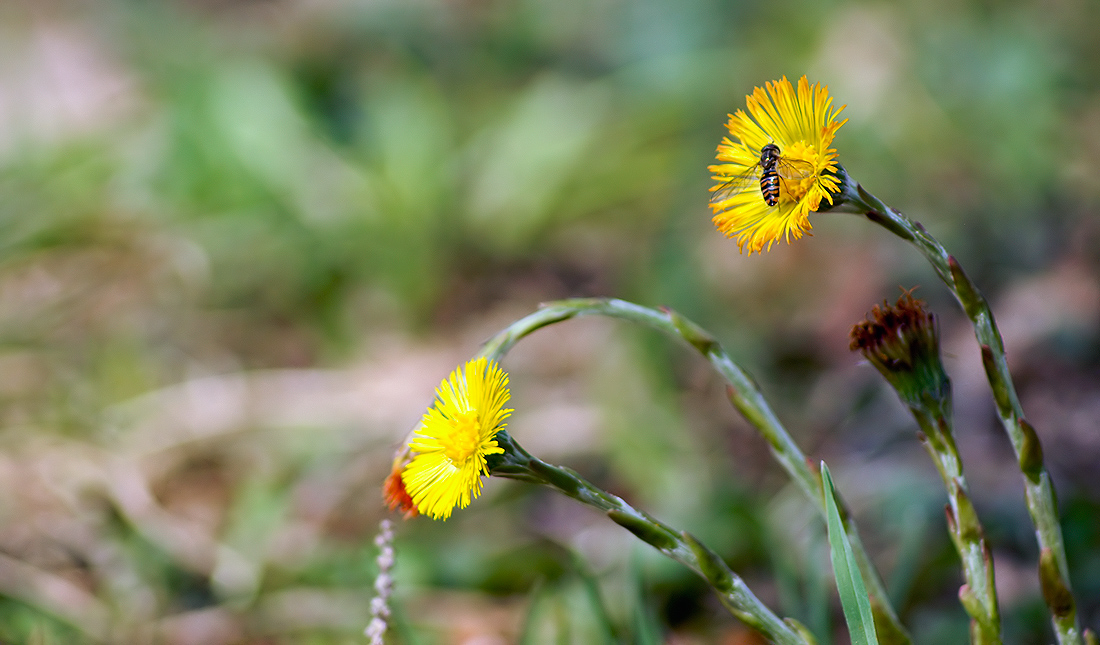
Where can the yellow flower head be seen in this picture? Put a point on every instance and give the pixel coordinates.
(802, 125)
(454, 437)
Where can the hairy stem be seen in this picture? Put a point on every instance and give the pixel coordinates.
(979, 595)
(735, 595)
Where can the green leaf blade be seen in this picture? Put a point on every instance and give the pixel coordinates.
(849, 582)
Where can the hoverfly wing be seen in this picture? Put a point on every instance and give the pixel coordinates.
(746, 178)
(794, 169)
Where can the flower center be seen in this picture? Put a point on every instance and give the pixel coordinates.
(797, 189)
(461, 439)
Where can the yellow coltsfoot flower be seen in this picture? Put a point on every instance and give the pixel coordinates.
(454, 437)
(780, 167)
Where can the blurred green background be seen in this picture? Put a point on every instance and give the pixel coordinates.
(241, 241)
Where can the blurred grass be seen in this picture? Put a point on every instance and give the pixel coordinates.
(240, 242)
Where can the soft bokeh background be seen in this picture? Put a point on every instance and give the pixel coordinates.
(242, 241)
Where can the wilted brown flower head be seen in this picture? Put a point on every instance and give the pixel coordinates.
(902, 342)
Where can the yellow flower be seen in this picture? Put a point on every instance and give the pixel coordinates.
(454, 437)
(802, 124)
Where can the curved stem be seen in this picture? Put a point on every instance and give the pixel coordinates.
(517, 463)
(979, 596)
(1039, 491)
(746, 397)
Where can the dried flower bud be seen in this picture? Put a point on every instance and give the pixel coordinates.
(902, 342)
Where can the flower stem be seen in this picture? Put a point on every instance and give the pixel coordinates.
(517, 463)
(979, 595)
(745, 396)
(1039, 491)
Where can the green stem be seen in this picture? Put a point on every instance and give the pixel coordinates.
(746, 397)
(1039, 491)
(517, 463)
(979, 596)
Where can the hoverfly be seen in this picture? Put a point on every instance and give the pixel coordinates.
(773, 168)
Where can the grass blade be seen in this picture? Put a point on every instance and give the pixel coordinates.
(849, 582)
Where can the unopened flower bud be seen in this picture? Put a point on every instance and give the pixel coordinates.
(902, 342)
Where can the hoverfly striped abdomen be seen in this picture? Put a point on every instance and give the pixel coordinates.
(769, 176)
